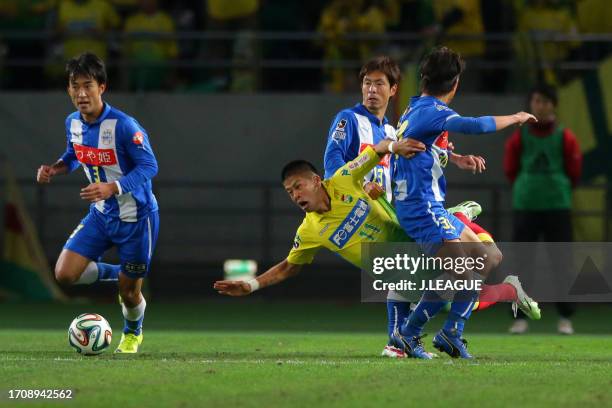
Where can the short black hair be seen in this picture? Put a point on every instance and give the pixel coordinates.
(88, 65)
(296, 167)
(546, 90)
(384, 64)
(440, 70)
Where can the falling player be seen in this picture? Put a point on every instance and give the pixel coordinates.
(340, 216)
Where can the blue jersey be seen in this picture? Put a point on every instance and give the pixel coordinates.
(114, 149)
(421, 179)
(353, 130)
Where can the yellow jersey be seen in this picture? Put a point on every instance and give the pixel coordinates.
(151, 49)
(354, 218)
(81, 23)
(227, 10)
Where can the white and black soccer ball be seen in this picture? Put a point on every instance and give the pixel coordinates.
(90, 334)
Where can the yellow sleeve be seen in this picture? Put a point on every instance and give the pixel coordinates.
(304, 247)
(356, 169)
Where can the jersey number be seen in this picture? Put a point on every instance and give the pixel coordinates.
(378, 176)
(95, 170)
(77, 229)
(401, 129)
(445, 223)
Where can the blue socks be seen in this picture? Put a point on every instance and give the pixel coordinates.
(397, 313)
(429, 305)
(133, 317)
(108, 272)
(461, 310)
(132, 326)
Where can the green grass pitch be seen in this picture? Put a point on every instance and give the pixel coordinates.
(250, 353)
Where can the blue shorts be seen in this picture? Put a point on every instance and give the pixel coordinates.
(135, 241)
(429, 224)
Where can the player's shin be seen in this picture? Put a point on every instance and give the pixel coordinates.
(429, 305)
(397, 312)
(461, 309)
(492, 294)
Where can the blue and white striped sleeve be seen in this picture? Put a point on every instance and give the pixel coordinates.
(340, 143)
(69, 157)
(136, 143)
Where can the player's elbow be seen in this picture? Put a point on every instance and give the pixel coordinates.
(483, 124)
(494, 256)
(153, 169)
(482, 128)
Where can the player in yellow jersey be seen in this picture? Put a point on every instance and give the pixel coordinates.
(339, 215)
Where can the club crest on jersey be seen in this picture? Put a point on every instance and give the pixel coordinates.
(345, 198)
(350, 224)
(341, 124)
(138, 138)
(107, 136)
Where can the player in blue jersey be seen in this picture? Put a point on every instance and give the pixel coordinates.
(115, 153)
(365, 124)
(419, 191)
(355, 128)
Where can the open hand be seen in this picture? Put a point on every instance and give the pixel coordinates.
(98, 191)
(408, 147)
(524, 117)
(475, 164)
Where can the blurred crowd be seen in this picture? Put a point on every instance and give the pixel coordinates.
(161, 44)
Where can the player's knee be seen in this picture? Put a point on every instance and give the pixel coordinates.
(64, 275)
(494, 257)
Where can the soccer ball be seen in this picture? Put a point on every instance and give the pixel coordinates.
(90, 334)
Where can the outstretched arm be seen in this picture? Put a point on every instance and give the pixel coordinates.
(502, 122)
(485, 124)
(272, 276)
